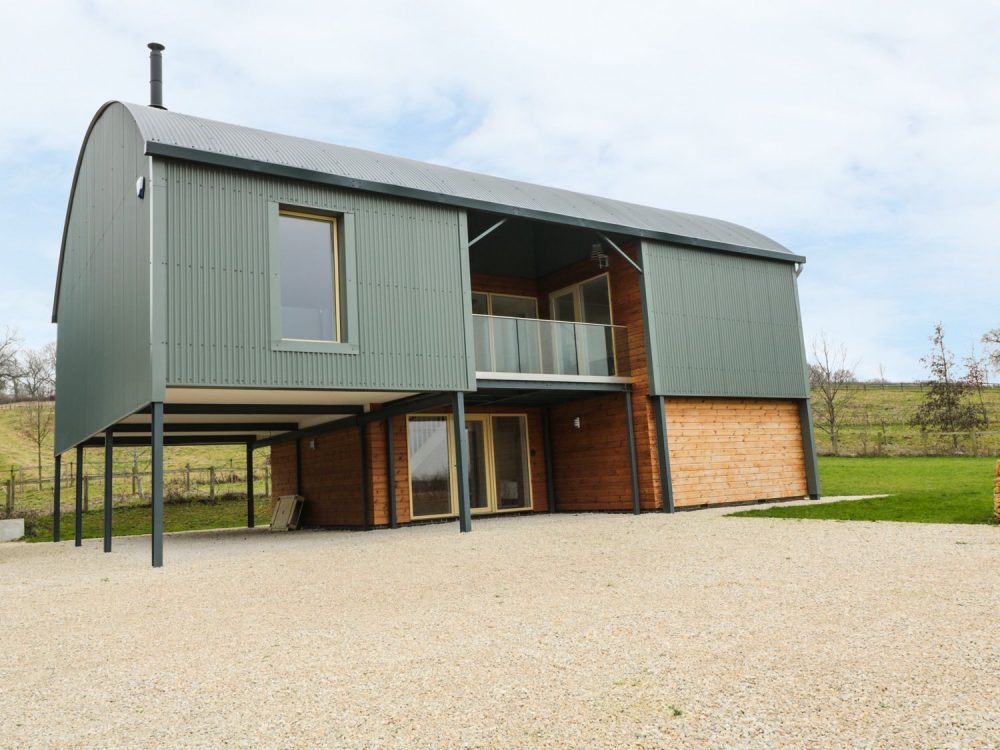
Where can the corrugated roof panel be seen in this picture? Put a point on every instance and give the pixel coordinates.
(242, 143)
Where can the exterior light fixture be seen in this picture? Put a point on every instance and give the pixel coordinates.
(312, 444)
(576, 423)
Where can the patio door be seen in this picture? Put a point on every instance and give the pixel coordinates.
(584, 349)
(498, 470)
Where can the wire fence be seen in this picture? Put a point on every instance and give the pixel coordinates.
(34, 493)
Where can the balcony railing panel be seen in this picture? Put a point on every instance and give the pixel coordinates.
(530, 346)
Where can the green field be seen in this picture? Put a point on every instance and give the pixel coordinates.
(135, 519)
(920, 489)
(876, 422)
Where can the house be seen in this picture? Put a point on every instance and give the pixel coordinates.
(414, 342)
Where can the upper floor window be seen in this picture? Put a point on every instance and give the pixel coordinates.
(309, 268)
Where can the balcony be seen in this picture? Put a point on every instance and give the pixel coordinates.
(549, 349)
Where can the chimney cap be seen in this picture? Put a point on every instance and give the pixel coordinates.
(156, 46)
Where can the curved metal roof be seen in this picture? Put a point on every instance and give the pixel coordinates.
(173, 135)
(182, 136)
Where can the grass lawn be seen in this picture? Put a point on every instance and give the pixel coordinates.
(135, 519)
(920, 489)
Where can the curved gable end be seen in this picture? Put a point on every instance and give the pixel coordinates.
(102, 297)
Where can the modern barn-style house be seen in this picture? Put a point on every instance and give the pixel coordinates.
(414, 342)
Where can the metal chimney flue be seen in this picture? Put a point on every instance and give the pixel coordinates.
(156, 75)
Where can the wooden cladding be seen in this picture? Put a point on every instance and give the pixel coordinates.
(734, 450)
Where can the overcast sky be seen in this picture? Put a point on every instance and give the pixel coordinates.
(864, 135)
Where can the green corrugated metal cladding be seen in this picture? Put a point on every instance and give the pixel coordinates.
(411, 287)
(103, 365)
(722, 325)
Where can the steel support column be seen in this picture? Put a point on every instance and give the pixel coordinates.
(663, 453)
(390, 474)
(109, 474)
(633, 463)
(461, 461)
(78, 520)
(156, 483)
(366, 494)
(250, 519)
(550, 485)
(57, 501)
(809, 448)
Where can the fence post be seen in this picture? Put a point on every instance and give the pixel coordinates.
(10, 497)
(211, 483)
(86, 493)
(187, 479)
(267, 480)
(135, 470)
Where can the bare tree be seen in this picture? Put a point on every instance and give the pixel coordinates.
(945, 406)
(9, 365)
(830, 375)
(976, 379)
(992, 341)
(36, 381)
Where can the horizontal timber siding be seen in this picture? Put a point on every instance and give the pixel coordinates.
(734, 450)
(411, 288)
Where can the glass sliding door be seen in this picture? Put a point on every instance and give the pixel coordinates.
(510, 462)
(584, 349)
(498, 472)
(430, 466)
(475, 432)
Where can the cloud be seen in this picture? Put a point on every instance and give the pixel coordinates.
(862, 135)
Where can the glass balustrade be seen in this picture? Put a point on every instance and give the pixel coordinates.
(549, 347)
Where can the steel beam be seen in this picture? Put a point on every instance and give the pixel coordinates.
(109, 474)
(390, 473)
(621, 252)
(244, 427)
(78, 521)
(261, 409)
(141, 441)
(57, 501)
(461, 461)
(550, 485)
(663, 453)
(809, 448)
(156, 482)
(487, 384)
(489, 231)
(633, 463)
(250, 519)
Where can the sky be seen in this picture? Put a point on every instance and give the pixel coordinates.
(863, 135)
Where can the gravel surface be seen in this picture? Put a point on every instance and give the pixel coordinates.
(692, 630)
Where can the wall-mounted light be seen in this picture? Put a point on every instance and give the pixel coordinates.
(576, 423)
(312, 444)
(140, 188)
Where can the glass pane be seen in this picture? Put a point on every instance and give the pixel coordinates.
(595, 301)
(308, 299)
(475, 431)
(514, 307)
(481, 334)
(596, 345)
(510, 459)
(529, 345)
(430, 474)
(480, 303)
(563, 308)
(564, 346)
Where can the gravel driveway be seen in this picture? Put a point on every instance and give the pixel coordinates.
(693, 630)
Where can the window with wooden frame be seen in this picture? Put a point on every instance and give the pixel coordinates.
(310, 277)
(312, 270)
